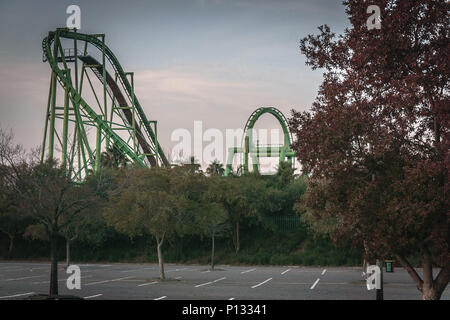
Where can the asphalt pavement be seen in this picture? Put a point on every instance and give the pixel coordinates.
(117, 281)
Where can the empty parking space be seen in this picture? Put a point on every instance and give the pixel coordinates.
(141, 281)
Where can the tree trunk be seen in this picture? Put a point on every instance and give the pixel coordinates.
(411, 271)
(67, 252)
(430, 293)
(11, 244)
(237, 245)
(212, 251)
(54, 265)
(379, 292)
(431, 290)
(365, 262)
(159, 243)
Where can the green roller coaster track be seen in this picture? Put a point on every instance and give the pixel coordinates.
(110, 107)
(249, 149)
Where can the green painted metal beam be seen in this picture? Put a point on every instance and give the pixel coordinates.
(249, 149)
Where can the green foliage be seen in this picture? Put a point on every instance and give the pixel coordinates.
(215, 169)
(146, 202)
(122, 213)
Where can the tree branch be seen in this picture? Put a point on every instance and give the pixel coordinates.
(412, 272)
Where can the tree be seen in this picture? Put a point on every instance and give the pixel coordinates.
(239, 197)
(215, 168)
(285, 173)
(280, 195)
(45, 194)
(192, 165)
(113, 158)
(49, 196)
(90, 226)
(203, 216)
(145, 202)
(12, 223)
(376, 140)
(213, 223)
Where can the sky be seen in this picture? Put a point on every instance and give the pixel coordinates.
(209, 60)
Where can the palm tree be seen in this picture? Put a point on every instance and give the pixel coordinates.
(215, 169)
(113, 158)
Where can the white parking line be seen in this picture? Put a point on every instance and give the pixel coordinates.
(260, 284)
(48, 281)
(206, 283)
(286, 271)
(94, 296)
(160, 298)
(24, 278)
(248, 271)
(147, 284)
(105, 281)
(17, 295)
(315, 283)
(206, 271)
(177, 270)
(137, 269)
(14, 269)
(323, 272)
(11, 267)
(203, 284)
(32, 269)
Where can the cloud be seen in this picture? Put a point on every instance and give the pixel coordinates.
(179, 95)
(186, 85)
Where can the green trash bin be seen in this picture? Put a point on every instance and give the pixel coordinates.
(389, 265)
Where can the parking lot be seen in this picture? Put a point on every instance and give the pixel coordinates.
(19, 280)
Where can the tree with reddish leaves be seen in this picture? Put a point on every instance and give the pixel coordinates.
(375, 143)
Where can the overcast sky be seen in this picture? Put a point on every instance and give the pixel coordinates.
(209, 60)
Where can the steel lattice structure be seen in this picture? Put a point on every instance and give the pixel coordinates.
(108, 106)
(249, 149)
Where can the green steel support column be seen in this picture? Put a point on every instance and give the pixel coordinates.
(79, 158)
(76, 59)
(81, 130)
(246, 151)
(51, 143)
(133, 116)
(231, 152)
(155, 125)
(72, 151)
(256, 164)
(282, 154)
(47, 117)
(98, 150)
(65, 123)
(105, 102)
(253, 152)
(81, 134)
(113, 105)
(83, 69)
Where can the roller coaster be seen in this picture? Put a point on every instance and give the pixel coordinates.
(255, 151)
(110, 108)
(116, 115)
